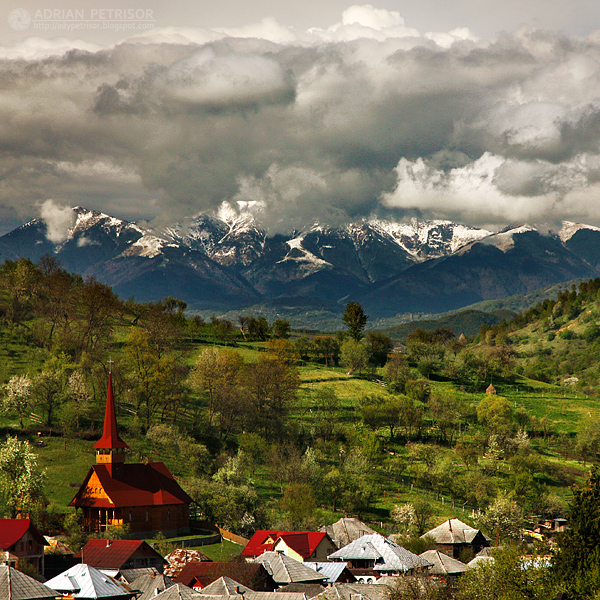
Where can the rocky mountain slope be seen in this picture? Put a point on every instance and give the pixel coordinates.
(229, 262)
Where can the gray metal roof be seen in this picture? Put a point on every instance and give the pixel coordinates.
(272, 596)
(250, 595)
(130, 575)
(178, 592)
(356, 591)
(15, 585)
(330, 570)
(480, 560)
(442, 563)
(388, 555)
(225, 586)
(83, 581)
(151, 584)
(284, 569)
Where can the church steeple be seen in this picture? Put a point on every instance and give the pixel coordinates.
(110, 448)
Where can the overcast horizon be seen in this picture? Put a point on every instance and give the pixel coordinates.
(487, 114)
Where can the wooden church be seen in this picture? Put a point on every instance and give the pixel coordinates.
(144, 497)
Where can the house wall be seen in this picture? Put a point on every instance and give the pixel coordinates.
(167, 518)
(323, 550)
(145, 556)
(29, 550)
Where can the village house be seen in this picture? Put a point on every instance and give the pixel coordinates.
(453, 537)
(372, 556)
(252, 575)
(145, 497)
(22, 543)
(82, 582)
(285, 569)
(346, 530)
(299, 545)
(444, 567)
(112, 556)
(150, 585)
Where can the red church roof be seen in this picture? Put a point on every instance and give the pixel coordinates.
(148, 484)
(303, 542)
(110, 436)
(12, 530)
(112, 554)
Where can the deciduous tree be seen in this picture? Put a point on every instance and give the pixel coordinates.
(355, 319)
(21, 480)
(18, 396)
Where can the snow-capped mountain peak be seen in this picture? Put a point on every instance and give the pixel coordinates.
(569, 229)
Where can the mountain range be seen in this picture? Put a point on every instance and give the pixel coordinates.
(229, 263)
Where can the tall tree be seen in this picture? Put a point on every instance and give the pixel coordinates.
(577, 561)
(355, 319)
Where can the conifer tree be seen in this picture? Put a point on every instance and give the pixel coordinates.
(577, 561)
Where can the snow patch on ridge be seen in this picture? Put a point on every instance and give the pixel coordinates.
(300, 255)
(148, 246)
(569, 229)
(505, 239)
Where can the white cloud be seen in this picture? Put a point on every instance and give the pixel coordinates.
(58, 218)
(331, 123)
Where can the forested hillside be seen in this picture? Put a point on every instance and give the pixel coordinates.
(267, 427)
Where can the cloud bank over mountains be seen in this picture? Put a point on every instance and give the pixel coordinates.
(364, 117)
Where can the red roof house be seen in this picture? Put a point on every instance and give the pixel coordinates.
(120, 554)
(20, 538)
(144, 496)
(300, 545)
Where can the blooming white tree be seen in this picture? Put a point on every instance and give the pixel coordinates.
(21, 479)
(18, 396)
(404, 515)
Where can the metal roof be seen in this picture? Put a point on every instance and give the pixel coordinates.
(442, 563)
(143, 484)
(330, 570)
(12, 530)
(178, 592)
(87, 582)
(285, 569)
(453, 531)
(388, 555)
(225, 586)
(150, 585)
(15, 585)
(303, 542)
(113, 554)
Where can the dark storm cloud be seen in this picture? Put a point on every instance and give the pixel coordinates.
(328, 125)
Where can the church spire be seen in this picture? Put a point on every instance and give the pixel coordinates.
(110, 447)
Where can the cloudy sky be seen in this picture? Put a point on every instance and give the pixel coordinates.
(482, 112)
